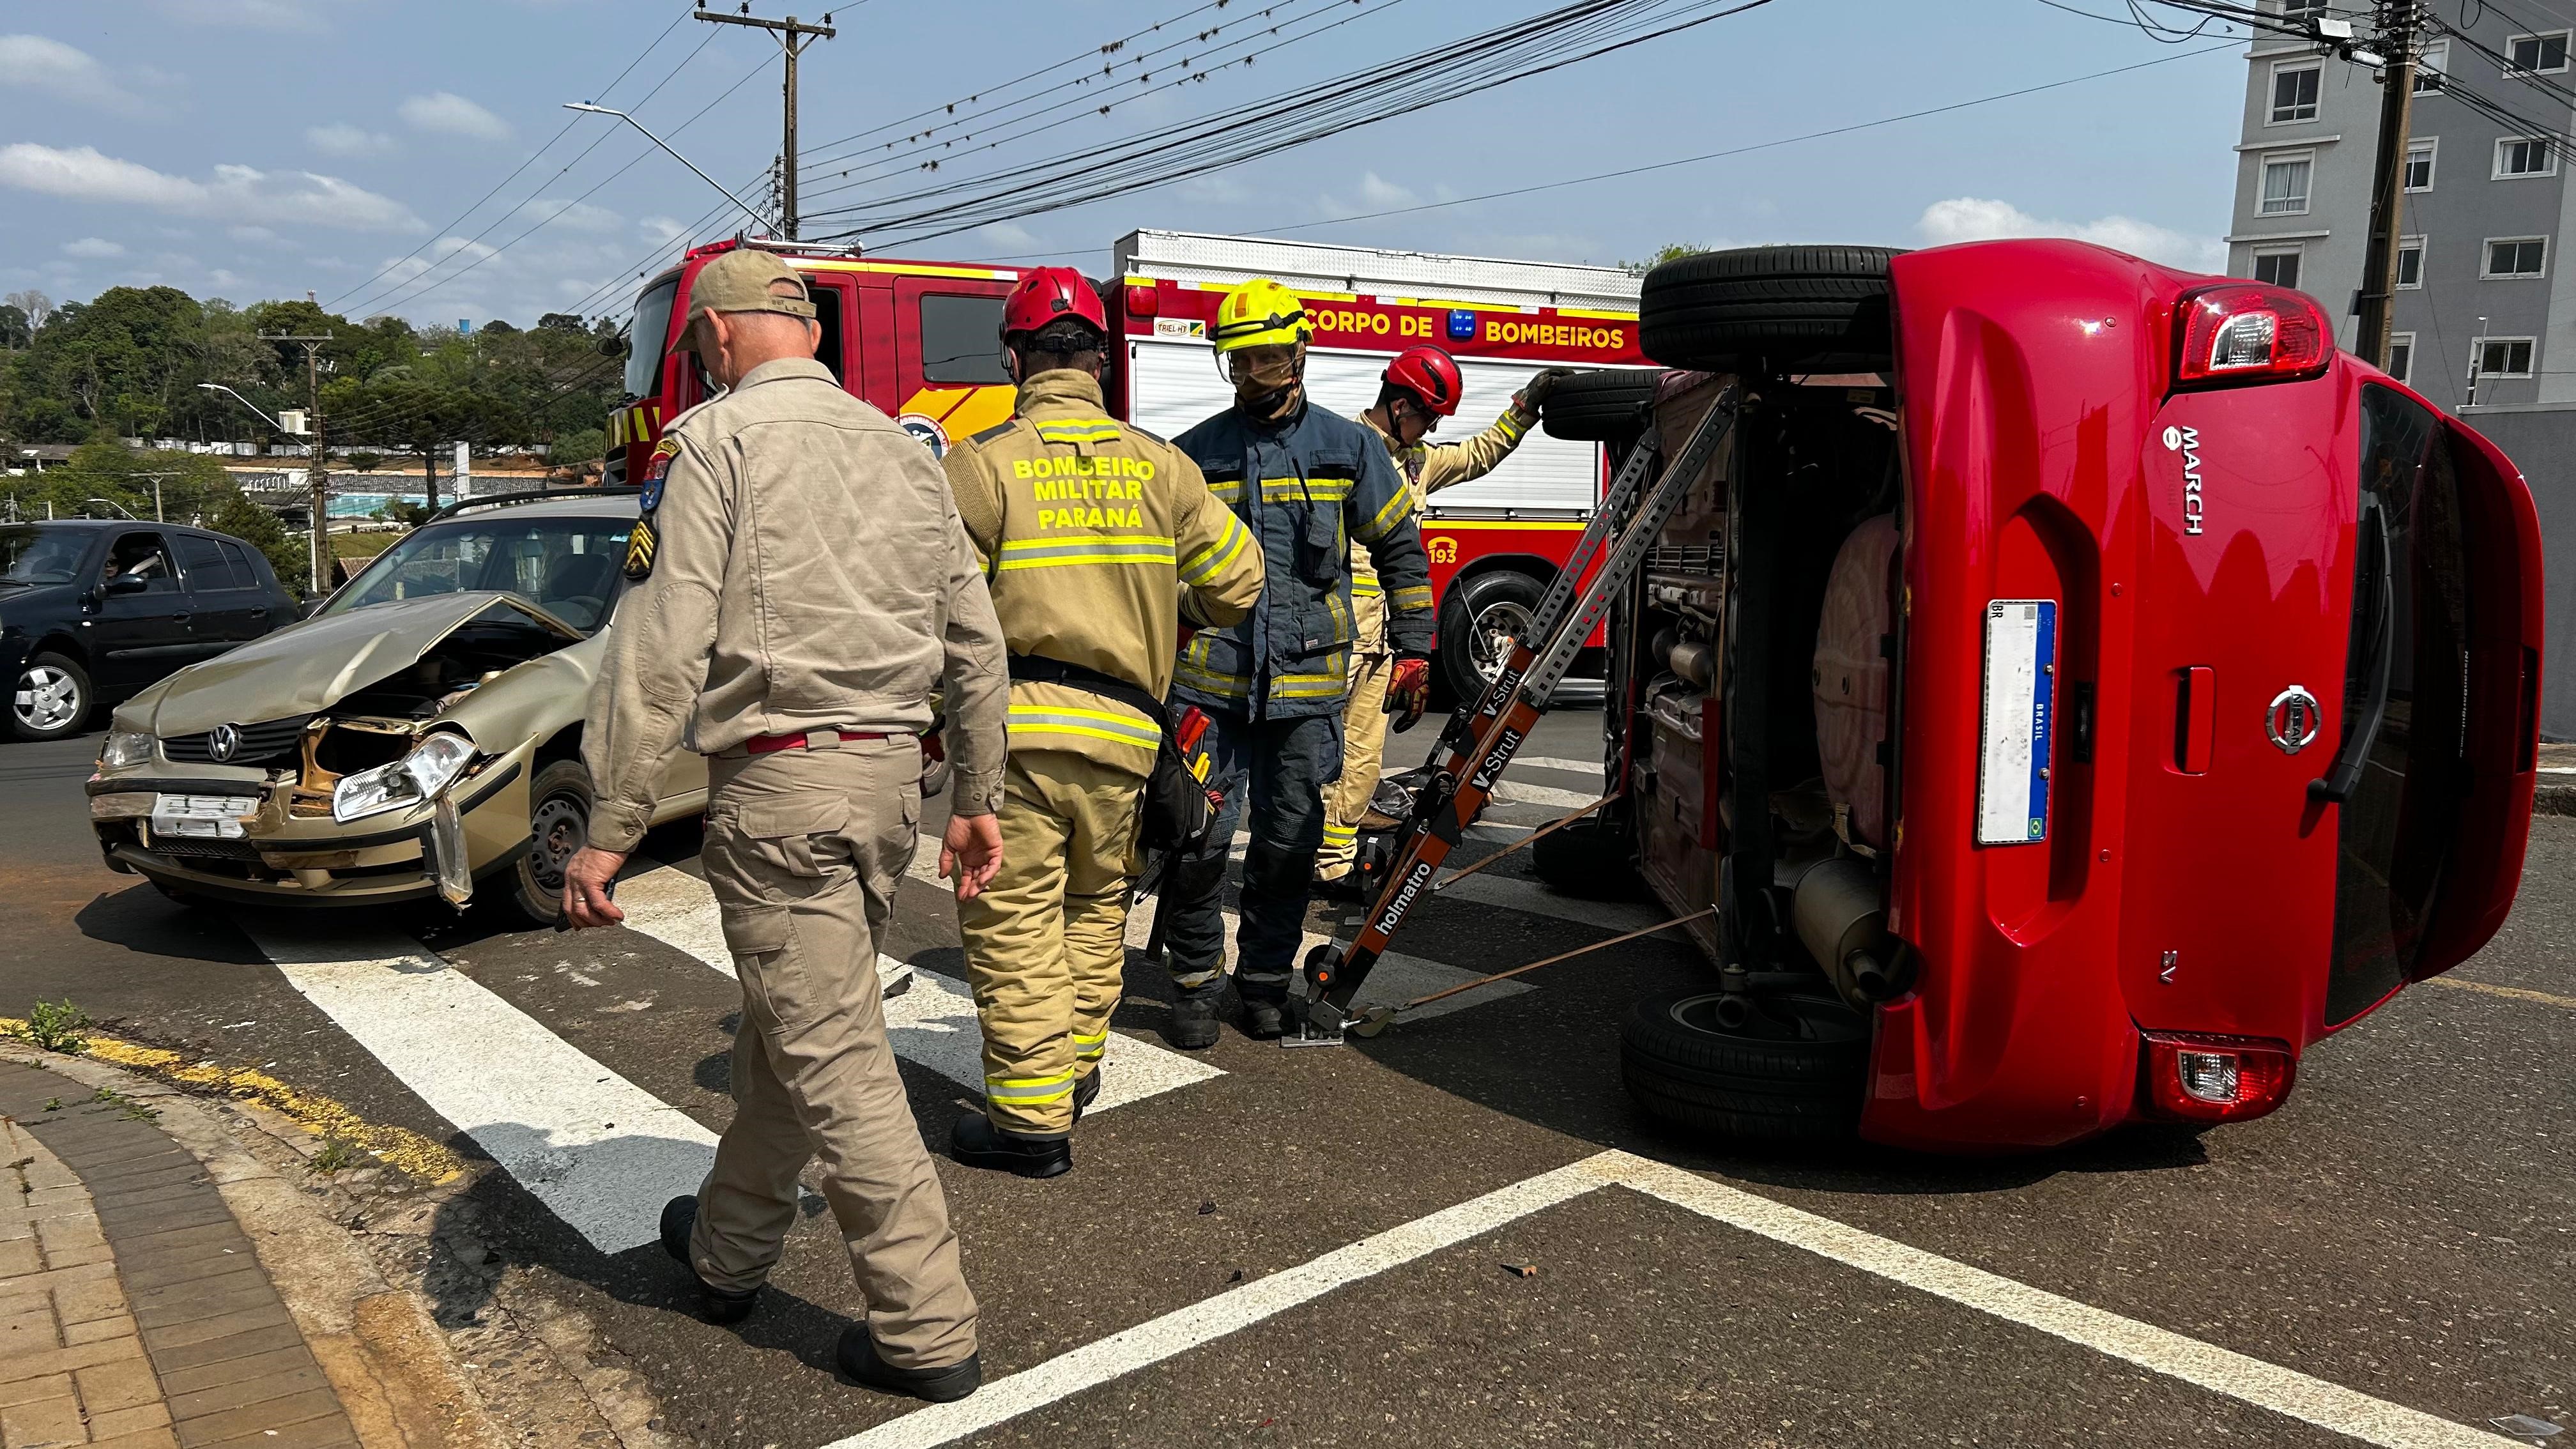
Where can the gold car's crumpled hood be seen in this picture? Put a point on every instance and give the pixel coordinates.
(308, 667)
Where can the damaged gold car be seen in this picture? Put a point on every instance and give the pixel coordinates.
(418, 737)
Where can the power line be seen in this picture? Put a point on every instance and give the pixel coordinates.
(1536, 45)
(515, 171)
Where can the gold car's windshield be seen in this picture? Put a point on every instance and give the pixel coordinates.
(566, 566)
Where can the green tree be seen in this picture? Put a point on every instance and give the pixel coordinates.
(1669, 251)
(16, 331)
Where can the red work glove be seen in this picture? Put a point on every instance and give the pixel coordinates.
(1408, 689)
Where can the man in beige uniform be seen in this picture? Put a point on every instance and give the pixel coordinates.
(1418, 389)
(802, 586)
(1099, 540)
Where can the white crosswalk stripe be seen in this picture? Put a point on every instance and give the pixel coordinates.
(601, 1152)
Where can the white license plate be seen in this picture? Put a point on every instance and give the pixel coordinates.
(2020, 711)
(217, 817)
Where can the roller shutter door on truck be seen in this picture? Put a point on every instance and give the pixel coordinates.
(1176, 386)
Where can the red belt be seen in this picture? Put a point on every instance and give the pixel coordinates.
(772, 744)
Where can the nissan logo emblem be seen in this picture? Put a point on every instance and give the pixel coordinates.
(224, 740)
(2293, 719)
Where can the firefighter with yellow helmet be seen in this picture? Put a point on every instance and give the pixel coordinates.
(1419, 388)
(1309, 484)
(1098, 541)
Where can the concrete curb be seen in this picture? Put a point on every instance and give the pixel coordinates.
(2553, 798)
(385, 1357)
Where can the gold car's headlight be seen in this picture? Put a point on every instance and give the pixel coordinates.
(432, 766)
(125, 749)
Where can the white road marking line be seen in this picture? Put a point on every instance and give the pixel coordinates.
(2248, 1380)
(1184, 1329)
(2223, 1371)
(933, 1024)
(1509, 791)
(600, 1152)
(1542, 762)
(2509, 993)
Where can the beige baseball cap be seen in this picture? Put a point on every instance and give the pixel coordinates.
(742, 280)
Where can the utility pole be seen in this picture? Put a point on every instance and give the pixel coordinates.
(793, 37)
(318, 475)
(156, 492)
(2477, 346)
(2398, 20)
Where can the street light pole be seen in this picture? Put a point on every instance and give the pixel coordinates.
(2397, 24)
(756, 217)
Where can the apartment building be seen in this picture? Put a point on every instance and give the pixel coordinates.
(2486, 202)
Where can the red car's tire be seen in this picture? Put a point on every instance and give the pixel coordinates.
(1605, 405)
(1795, 1073)
(1820, 309)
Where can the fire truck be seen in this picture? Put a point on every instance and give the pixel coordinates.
(920, 341)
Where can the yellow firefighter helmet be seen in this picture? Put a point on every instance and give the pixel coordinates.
(1261, 313)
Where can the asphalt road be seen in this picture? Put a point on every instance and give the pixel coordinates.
(2404, 1230)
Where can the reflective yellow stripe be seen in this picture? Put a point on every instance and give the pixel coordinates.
(1509, 425)
(1212, 560)
(1366, 586)
(1340, 834)
(1061, 550)
(1207, 681)
(1417, 596)
(1312, 686)
(1089, 723)
(1227, 490)
(1388, 517)
(1081, 432)
(1323, 490)
(1029, 1090)
(1089, 1048)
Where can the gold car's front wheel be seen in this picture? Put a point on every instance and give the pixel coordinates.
(558, 827)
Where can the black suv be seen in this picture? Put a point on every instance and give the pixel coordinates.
(91, 611)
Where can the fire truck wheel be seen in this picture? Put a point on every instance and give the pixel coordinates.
(1793, 1072)
(1479, 622)
(1607, 405)
(1817, 309)
(1591, 860)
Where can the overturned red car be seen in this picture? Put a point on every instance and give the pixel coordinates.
(2077, 689)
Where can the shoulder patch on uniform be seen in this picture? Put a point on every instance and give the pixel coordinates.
(999, 429)
(641, 547)
(656, 470)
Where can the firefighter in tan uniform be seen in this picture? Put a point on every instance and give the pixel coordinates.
(1099, 541)
(802, 586)
(1419, 388)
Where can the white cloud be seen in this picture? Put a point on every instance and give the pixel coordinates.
(572, 215)
(1021, 240)
(342, 139)
(251, 234)
(245, 14)
(49, 67)
(91, 246)
(1376, 194)
(661, 230)
(1970, 218)
(452, 115)
(301, 198)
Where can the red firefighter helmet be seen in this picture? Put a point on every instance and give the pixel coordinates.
(1051, 294)
(1431, 375)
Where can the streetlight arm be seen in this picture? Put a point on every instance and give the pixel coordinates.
(246, 402)
(675, 155)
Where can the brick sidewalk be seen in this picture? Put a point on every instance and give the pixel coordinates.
(133, 1311)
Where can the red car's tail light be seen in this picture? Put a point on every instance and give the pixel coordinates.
(2241, 332)
(2216, 1078)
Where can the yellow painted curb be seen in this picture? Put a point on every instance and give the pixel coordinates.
(422, 1159)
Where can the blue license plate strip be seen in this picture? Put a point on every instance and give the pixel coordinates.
(2019, 722)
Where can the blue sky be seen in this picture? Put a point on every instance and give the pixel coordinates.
(261, 148)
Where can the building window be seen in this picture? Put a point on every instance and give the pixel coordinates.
(2294, 92)
(2401, 355)
(2537, 54)
(2431, 68)
(2410, 261)
(2278, 266)
(2516, 256)
(2302, 9)
(2419, 164)
(2285, 183)
(2525, 156)
(2504, 357)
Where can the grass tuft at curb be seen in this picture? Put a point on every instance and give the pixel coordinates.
(418, 1157)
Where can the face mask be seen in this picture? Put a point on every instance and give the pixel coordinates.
(1265, 377)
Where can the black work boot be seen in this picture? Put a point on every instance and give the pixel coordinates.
(1087, 1091)
(679, 1219)
(976, 1142)
(1264, 1020)
(945, 1384)
(1193, 1024)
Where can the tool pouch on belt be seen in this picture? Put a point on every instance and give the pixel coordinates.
(1176, 814)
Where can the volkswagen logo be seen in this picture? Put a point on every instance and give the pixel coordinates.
(224, 741)
(2294, 719)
